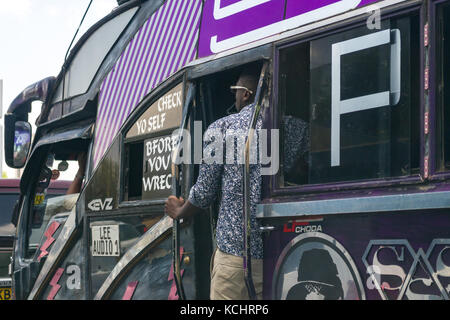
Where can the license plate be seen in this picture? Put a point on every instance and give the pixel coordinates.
(5, 293)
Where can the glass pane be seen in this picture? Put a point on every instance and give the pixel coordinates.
(358, 101)
(5, 260)
(46, 206)
(294, 99)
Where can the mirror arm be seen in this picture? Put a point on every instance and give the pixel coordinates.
(40, 90)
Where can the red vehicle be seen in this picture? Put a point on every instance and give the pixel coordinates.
(9, 196)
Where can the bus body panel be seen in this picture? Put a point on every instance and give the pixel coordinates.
(359, 256)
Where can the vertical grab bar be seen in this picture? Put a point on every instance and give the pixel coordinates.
(247, 261)
(176, 190)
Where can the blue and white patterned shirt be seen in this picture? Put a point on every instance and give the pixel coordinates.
(225, 180)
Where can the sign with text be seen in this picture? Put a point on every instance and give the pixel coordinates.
(105, 241)
(157, 176)
(164, 114)
(228, 24)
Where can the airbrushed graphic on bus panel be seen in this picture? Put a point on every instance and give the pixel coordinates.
(408, 274)
(359, 256)
(227, 24)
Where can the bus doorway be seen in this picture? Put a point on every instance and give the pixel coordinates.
(216, 101)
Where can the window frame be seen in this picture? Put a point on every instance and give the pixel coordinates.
(434, 95)
(273, 187)
(172, 82)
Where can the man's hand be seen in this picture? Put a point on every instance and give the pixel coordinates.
(81, 158)
(173, 207)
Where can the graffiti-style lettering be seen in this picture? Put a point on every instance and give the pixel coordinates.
(373, 282)
(390, 269)
(442, 269)
(412, 274)
(74, 277)
(374, 20)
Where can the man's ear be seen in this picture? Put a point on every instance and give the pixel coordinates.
(247, 95)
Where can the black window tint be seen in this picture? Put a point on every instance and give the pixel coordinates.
(443, 99)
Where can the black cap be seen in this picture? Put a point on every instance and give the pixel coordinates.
(316, 270)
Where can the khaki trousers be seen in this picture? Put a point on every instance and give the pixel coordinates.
(227, 277)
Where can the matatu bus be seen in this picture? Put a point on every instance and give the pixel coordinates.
(361, 212)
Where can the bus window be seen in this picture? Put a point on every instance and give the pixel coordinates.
(149, 147)
(443, 108)
(44, 207)
(349, 105)
(7, 230)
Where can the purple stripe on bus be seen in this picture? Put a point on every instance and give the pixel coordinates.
(151, 65)
(127, 108)
(149, 61)
(161, 41)
(193, 43)
(103, 110)
(108, 91)
(124, 87)
(143, 60)
(191, 36)
(296, 8)
(161, 60)
(192, 21)
(104, 140)
(174, 42)
(110, 111)
(164, 43)
(138, 64)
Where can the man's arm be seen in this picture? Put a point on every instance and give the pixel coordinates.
(77, 182)
(207, 187)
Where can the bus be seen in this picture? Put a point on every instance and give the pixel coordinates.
(356, 206)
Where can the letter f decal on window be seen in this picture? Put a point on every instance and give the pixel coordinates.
(376, 100)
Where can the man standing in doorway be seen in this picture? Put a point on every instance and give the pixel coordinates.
(225, 181)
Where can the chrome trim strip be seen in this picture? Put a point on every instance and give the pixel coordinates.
(403, 202)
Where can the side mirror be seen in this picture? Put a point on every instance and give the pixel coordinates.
(22, 143)
(17, 130)
(17, 141)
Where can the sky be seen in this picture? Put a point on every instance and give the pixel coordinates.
(34, 38)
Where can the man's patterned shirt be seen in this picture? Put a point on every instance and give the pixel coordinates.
(224, 180)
